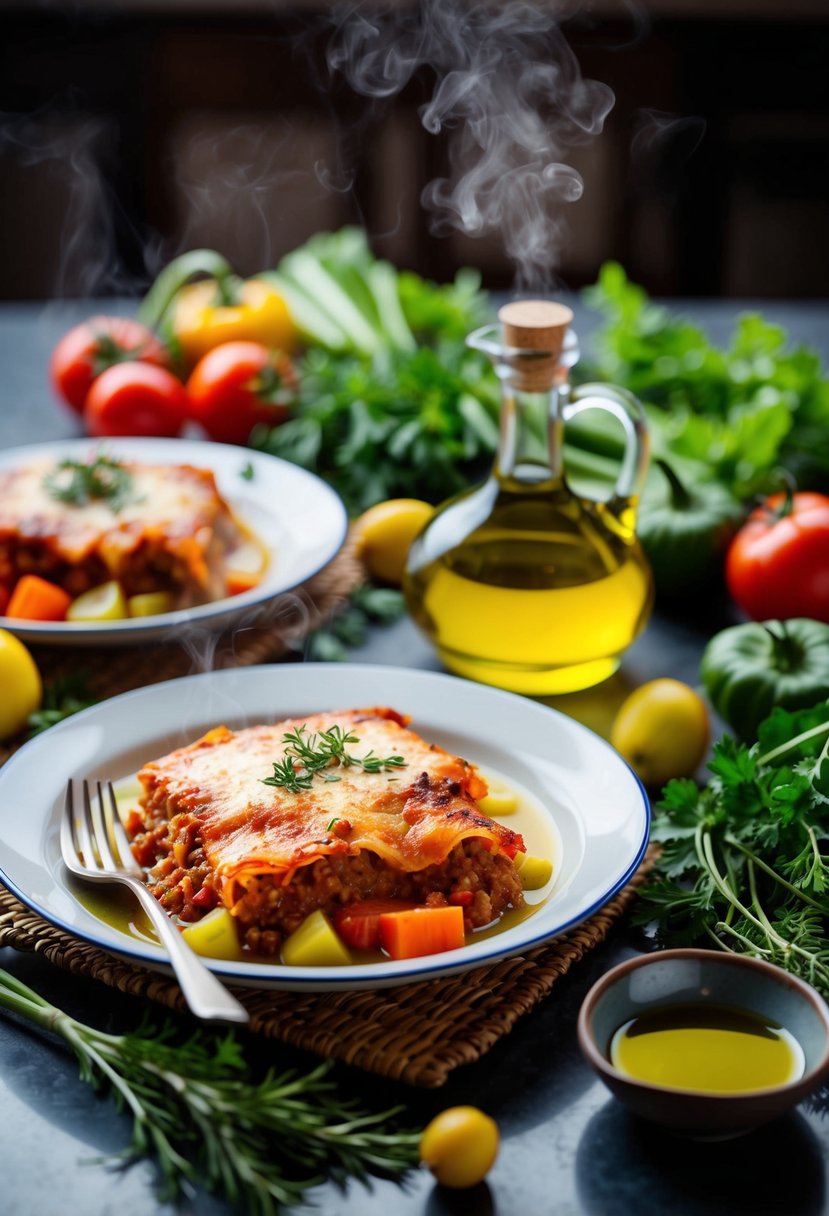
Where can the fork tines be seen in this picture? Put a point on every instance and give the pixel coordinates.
(95, 834)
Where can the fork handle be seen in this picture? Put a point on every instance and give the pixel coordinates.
(206, 996)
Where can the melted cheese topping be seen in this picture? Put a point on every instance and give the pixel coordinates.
(412, 817)
(178, 503)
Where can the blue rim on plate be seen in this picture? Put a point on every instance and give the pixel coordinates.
(600, 812)
(300, 520)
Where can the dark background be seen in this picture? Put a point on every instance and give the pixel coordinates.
(132, 130)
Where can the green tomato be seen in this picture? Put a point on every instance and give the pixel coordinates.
(685, 532)
(749, 669)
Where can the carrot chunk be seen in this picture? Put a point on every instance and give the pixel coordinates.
(237, 581)
(35, 599)
(358, 924)
(421, 931)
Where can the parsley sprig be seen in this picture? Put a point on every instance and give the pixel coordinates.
(745, 859)
(200, 1113)
(81, 482)
(367, 605)
(65, 696)
(312, 755)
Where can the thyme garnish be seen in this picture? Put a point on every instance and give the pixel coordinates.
(198, 1111)
(81, 482)
(307, 756)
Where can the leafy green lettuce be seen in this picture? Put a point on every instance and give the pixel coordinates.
(735, 415)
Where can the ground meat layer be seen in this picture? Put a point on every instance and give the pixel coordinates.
(483, 883)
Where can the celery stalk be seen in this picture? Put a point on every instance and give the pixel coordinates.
(308, 274)
(312, 321)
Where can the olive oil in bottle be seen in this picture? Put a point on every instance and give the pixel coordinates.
(519, 582)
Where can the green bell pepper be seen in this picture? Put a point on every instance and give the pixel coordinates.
(749, 669)
(685, 532)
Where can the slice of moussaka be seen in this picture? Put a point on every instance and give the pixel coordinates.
(150, 527)
(276, 821)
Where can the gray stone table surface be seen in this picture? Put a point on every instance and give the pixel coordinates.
(568, 1147)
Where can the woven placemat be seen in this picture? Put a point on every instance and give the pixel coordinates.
(417, 1033)
(269, 635)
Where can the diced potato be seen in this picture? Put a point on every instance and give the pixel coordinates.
(315, 944)
(500, 800)
(129, 789)
(248, 558)
(245, 567)
(535, 872)
(104, 603)
(150, 603)
(214, 935)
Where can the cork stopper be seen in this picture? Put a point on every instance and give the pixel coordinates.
(535, 325)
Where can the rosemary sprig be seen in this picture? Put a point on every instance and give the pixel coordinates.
(308, 756)
(81, 482)
(197, 1111)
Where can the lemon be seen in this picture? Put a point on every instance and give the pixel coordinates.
(460, 1146)
(104, 603)
(21, 685)
(662, 730)
(384, 535)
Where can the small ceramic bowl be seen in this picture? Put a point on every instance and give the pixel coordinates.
(681, 977)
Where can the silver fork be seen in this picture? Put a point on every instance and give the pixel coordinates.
(94, 846)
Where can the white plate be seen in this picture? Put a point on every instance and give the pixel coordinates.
(599, 810)
(299, 519)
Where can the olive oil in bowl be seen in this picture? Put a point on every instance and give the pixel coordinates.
(705, 1043)
(714, 1049)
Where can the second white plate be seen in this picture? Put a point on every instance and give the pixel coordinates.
(299, 519)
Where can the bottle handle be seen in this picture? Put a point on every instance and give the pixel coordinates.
(628, 410)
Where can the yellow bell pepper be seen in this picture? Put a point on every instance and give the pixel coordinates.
(200, 319)
(220, 308)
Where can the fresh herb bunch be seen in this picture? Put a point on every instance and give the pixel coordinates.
(421, 424)
(81, 482)
(199, 1113)
(391, 402)
(313, 755)
(733, 415)
(745, 859)
(366, 605)
(64, 697)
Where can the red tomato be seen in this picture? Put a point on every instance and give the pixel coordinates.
(136, 399)
(359, 924)
(778, 564)
(237, 385)
(99, 343)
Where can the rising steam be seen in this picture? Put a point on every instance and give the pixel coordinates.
(509, 91)
(67, 158)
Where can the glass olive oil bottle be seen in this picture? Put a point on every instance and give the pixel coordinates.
(520, 582)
